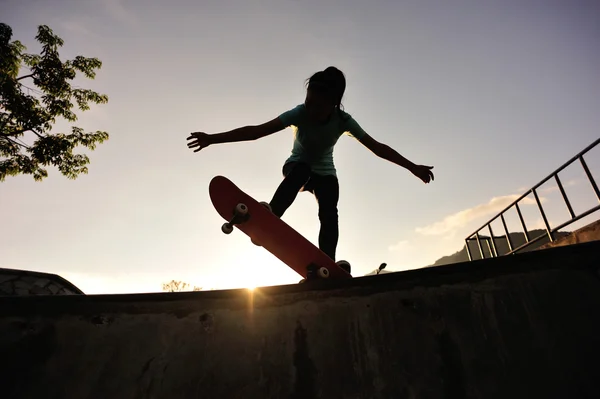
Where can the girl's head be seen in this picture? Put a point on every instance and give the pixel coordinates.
(324, 93)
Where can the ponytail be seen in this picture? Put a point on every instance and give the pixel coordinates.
(330, 82)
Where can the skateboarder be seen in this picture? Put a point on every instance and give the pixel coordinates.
(318, 123)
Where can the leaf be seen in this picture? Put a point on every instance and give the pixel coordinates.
(33, 102)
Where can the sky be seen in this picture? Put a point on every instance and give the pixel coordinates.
(494, 95)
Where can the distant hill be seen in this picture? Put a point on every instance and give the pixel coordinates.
(517, 239)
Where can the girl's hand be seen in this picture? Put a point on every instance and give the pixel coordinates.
(200, 140)
(423, 172)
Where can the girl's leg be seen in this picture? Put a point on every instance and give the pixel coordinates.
(296, 176)
(327, 193)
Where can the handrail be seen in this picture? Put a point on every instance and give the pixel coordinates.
(549, 231)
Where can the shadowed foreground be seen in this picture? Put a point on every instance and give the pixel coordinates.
(522, 326)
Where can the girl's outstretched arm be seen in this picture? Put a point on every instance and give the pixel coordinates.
(246, 133)
(386, 152)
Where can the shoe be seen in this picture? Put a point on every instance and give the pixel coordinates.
(345, 265)
(266, 205)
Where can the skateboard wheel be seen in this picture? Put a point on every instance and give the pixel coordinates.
(323, 272)
(266, 205)
(255, 242)
(241, 209)
(302, 281)
(226, 228)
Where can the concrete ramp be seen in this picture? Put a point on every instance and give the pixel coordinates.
(521, 326)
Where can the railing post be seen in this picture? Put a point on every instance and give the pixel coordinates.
(590, 177)
(522, 222)
(564, 195)
(468, 249)
(495, 253)
(479, 245)
(539, 204)
(510, 245)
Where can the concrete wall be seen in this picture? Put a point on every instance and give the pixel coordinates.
(519, 326)
(591, 232)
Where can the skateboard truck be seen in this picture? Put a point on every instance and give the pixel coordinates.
(314, 272)
(240, 215)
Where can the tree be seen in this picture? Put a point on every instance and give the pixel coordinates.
(178, 286)
(26, 116)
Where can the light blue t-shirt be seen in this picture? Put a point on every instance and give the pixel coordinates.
(313, 143)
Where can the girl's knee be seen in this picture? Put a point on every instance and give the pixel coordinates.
(328, 214)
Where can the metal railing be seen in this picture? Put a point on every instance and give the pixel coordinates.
(550, 232)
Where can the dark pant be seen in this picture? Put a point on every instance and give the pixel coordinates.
(299, 177)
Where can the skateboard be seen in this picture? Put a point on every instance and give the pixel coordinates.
(265, 229)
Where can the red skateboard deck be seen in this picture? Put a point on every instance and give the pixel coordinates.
(269, 231)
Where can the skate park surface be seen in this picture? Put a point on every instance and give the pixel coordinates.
(519, 326)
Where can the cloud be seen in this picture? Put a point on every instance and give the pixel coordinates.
(551, 189)
(458, 220)
(548, 190)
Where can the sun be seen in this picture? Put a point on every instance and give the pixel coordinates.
(256, 267)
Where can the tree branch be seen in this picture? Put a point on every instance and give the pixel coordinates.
(16, 142)
(17, 132)
(40, 135)
(25, 76)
